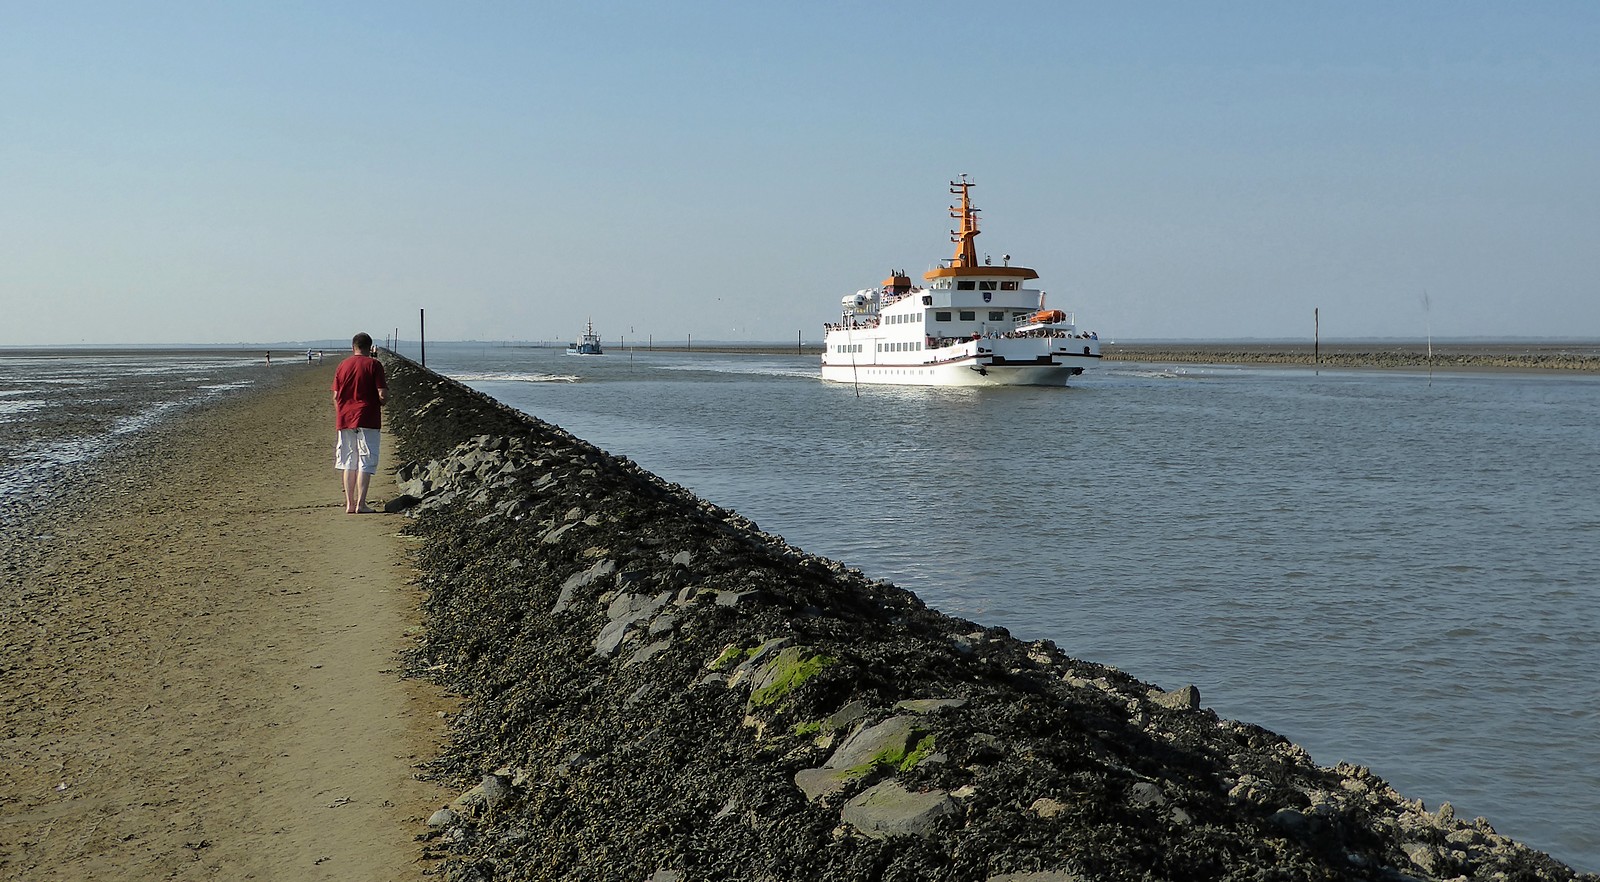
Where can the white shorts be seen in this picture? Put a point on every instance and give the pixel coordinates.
(356, 449)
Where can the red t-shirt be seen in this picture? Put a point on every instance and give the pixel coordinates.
(355, 393)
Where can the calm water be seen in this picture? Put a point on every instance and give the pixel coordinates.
(1388, 569)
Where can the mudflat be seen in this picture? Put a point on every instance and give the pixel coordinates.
(198, 663)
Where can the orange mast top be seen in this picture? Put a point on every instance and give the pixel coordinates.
(965, 261)
(966, 250)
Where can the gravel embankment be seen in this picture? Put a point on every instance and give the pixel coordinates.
(655, 689)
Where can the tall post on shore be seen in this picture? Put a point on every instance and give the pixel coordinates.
(691, 342)
(1316, 336)
(798, 350)
(422, 334)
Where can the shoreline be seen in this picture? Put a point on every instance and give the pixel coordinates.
(143, 424)
(1555, 356)
(200, 660)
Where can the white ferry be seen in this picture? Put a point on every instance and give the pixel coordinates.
(972, 324)
(588, 344)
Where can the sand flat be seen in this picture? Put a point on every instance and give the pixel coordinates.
(199, 671)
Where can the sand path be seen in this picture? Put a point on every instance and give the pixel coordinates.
(198, 678)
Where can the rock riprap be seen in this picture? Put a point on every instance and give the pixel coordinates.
(655, 688)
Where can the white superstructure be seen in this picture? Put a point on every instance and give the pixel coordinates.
(971, 324)
(588, 344)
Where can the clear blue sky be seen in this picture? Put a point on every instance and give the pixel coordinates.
(228, 172)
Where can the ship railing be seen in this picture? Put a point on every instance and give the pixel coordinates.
(853, 325)
(887, 298)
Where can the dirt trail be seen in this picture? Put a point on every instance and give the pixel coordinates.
(198, 676)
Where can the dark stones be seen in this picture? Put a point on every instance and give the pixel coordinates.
(889, 743)
(889, 809)
(582, 580)
(1186, 698)
(928, 705)
(1146, 793)
(400, 503)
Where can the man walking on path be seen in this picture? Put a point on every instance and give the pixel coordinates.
(359, 392)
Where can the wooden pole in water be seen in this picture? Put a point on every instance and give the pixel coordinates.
(1316, 336)
(798, 350)
(691, 342)
(422, 334)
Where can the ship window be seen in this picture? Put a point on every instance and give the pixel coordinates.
(964, 285)
(1008, 285)
(941, 284)
(987, 285)
(997, 316)
(968, 315)
(941, 316)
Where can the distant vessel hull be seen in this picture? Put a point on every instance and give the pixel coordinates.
(588, 344)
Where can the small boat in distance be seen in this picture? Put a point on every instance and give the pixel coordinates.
(588, 344)
(972, 324)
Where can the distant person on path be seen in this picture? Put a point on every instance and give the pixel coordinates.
(359, 392)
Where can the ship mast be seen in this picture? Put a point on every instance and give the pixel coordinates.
(966, 251)
(965, 262)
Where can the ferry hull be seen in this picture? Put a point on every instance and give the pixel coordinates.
(966, 372)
